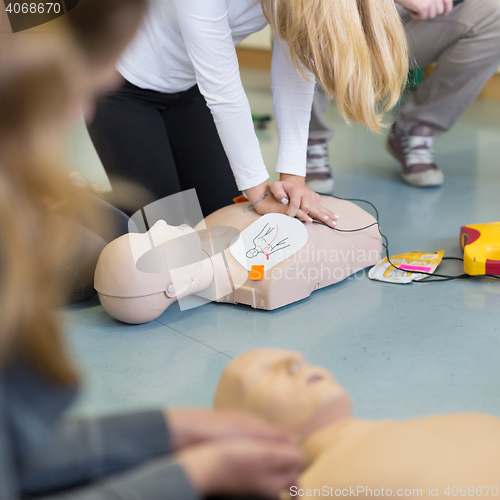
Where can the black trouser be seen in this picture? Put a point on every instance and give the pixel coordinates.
(166, 143)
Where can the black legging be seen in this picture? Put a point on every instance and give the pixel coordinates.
(166, 143)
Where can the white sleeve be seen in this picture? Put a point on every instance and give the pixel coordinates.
(207, 36)
(292, 100)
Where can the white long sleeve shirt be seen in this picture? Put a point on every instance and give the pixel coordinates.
(187, 42)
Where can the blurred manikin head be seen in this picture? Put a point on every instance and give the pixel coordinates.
(281, 386)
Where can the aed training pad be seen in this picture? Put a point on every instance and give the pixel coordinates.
(268, 241)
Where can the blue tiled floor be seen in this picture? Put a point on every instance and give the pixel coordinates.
(401, 351)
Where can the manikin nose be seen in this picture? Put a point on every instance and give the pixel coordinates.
(296, 364)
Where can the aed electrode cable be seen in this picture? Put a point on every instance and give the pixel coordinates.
(385, 244)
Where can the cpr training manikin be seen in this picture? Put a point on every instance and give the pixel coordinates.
(441, 456)
(234, 256)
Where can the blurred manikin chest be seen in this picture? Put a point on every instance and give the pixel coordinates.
(461, 450)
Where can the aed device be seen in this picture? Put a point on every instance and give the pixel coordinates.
(481, 246)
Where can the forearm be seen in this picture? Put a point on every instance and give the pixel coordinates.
(236, 131)
(257, 192)
(86, 450)
(292, 101)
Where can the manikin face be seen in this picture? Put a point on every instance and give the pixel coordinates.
(279, 385)
(162, 232)
(136, 265)
(162, 248)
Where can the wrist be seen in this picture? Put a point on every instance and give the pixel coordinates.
(293, 178)
(255, 193)
(175, 434)
(203, 467)
(182, 430)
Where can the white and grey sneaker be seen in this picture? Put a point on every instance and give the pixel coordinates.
(319, 175)
(415, 152)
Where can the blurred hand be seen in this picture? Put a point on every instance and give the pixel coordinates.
(301, 202)
(242, 467)
(191, 427)
(427, 9)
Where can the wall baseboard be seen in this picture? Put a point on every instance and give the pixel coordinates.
(254, 58)
(491, 90)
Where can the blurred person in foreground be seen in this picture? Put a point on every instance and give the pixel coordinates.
(148, 454)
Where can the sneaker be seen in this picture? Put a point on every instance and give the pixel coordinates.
(319, 175)
(415, 152)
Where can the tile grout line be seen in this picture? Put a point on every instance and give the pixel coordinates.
(193, 339)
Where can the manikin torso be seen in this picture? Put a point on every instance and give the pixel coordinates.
(328, 257)
(428, 454)
(342, 452)
(134, 293)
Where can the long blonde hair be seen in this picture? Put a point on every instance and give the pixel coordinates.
(356, 49)
(36, 85)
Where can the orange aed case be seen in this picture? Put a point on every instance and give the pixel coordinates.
(481, 246)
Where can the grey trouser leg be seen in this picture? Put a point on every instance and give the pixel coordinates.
(318, 128)
(466, 46)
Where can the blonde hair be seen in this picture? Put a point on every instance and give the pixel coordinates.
(356, 49)
(37, 82)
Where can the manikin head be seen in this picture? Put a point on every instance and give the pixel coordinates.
(139, 275)
(281, 386)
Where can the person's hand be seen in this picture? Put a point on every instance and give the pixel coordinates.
(427, 9)
(191, 427)
(269, 204)
(242, 467)
(300, 201)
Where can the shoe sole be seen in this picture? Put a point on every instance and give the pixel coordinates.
(322, 187)
(427, 178)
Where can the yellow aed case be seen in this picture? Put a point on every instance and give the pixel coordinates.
(481, 246)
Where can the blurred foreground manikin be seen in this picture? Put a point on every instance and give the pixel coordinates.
(342, 452)
(276, 261)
